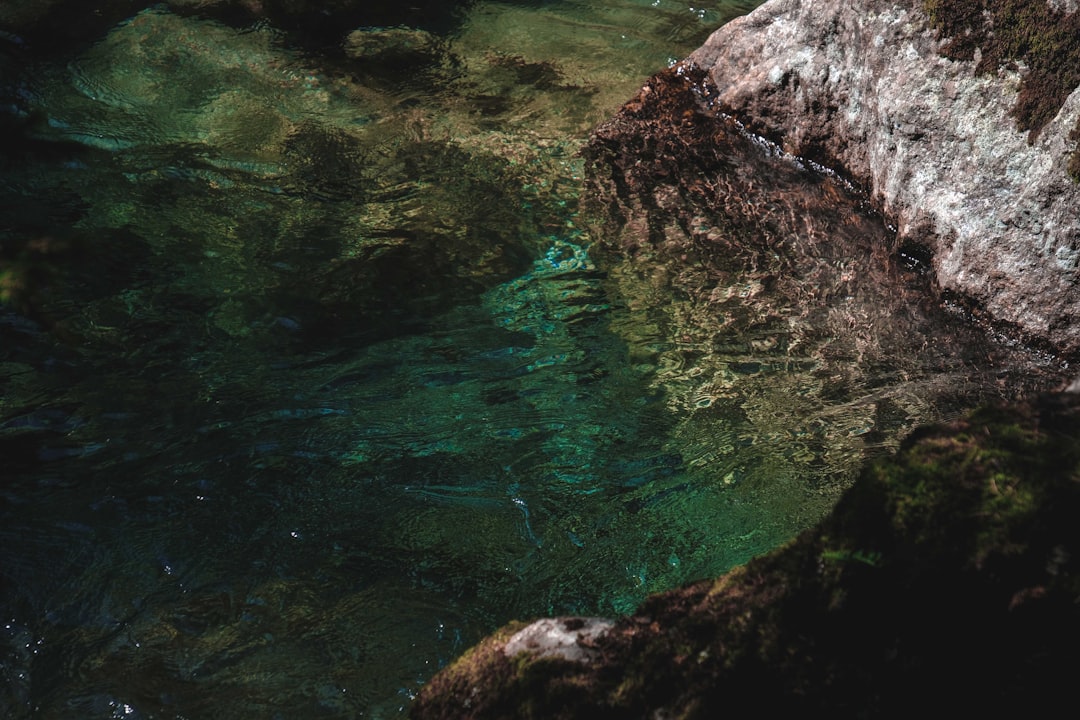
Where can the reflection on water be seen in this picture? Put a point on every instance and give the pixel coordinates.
(310, 377)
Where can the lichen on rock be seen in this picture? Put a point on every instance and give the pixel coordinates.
(1043, 37)
(901, 102)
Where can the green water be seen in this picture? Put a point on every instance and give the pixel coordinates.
(311, 378)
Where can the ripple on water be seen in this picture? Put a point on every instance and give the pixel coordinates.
(331, 380)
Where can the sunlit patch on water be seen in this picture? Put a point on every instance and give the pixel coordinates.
(318, 376)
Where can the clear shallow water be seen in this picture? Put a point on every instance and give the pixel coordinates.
(321, 382)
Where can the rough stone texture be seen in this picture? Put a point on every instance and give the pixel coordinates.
(566, 638)
(862, 87)
(762, 265)
(946, 578)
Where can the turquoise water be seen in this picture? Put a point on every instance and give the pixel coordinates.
(312, 374)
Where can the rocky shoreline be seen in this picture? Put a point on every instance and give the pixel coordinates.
(945, 140)
(946, 577)
(950, 569)
(947, 574)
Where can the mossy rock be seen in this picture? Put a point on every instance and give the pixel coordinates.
(948, 574)
(1045, 39)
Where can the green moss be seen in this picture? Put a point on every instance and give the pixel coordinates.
(866, 557)
(1045, 40)
(949, 570)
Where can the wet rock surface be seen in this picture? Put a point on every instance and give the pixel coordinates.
(946, 574)
(946, 577)
(793, 305)
(864, 88)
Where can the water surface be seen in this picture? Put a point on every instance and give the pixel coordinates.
(310, 377)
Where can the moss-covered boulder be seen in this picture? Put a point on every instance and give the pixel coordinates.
(947, 578)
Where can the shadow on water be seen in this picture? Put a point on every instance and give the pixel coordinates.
(308, 383)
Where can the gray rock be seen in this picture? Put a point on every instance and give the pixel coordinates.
(861, 86)
(567, 638)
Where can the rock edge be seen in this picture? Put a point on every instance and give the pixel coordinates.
(862, 87)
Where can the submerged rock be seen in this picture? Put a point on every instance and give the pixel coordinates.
(802, 331)
(960, 124)
(62, 25)
(948, 576)
(400, 47)
(326, 23)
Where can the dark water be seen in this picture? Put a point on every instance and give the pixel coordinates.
(310, 380)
